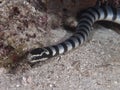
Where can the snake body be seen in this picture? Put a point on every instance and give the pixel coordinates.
(82, 34)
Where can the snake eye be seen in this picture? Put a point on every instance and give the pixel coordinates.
(46, 51)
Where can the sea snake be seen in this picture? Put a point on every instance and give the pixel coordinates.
(83, 31)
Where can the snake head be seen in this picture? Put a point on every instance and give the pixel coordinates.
(37, 55)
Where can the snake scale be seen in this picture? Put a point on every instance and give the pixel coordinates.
(82, 34)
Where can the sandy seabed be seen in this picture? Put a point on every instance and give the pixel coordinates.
(92, 66)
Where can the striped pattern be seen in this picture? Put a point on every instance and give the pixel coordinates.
(83, 31)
